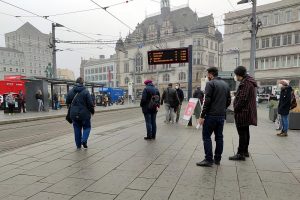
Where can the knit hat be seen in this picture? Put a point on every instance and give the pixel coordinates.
(146, 82)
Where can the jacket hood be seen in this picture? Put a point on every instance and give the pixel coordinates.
(78, 88)
(251, 80)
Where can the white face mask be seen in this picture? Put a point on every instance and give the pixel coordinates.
(235, 78)
(176, 87)
(206, 80)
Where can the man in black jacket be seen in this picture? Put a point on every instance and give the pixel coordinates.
(171, 100)
(181, 98)
(82, 108)
(150, 112)
(217, 99)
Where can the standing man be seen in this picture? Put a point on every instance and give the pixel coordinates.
(217, 99)
(181, 98)
(171, 100)
(150, 104)
(284, 106)
(199, 94)
(82, 107)
(245, 111)
(21, 99)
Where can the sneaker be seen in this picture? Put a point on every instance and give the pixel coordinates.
(237, 157)
(278, 134)
(217, 162)
(283, 135)
(204, 163)
(147, 138)
(84, 144)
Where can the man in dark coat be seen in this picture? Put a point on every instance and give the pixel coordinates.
(21, 99)
(82, 107)
(181, 98)
(217, 100)
(171, 101)
(245, 111)
(284, 106)
(149, 112)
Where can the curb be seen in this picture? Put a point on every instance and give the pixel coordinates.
(14, 121)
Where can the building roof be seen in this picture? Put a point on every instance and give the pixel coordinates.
(9, 50)
(27, 27)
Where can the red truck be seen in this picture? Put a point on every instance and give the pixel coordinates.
(11, 84)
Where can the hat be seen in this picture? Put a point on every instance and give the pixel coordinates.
(284, 82)
(147, 82)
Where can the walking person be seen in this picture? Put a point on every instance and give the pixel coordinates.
(55, 101)
(150, 104)
(10, 100)
(39, 98)
(171, 101)
(82, 108)
(21, 101)
(180, 95)
(245, 110)
(217, 99)
(284, 106)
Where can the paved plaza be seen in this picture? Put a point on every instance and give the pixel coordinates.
(119, 164)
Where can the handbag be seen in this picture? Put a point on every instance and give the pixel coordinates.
(68, 117)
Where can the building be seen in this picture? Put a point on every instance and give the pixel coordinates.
(277, 45)
(35, 47)
(11, 62)
(65, 74)
(100, 70)
(175, 28)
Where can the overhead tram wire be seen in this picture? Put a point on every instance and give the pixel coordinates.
(46, 19)
(105, 9)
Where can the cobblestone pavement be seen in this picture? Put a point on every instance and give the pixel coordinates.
(119, 164)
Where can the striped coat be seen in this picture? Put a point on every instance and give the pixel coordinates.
(245, 111)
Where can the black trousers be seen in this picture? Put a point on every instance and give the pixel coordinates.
(244, 139)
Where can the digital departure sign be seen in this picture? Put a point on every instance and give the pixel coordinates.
(168, 56)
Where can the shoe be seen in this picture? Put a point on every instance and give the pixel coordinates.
(283, 135)
(84, 144)
(78, 148)
(247, 155)
(147, 138)
(204, 163)
(237, 157)
(217, 162)
(278, 134)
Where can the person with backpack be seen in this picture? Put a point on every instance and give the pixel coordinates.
(180, 95)
(81, 108)
(284, 106)
(150, 103)
(171, 100)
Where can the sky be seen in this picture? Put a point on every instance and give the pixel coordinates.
(98, 24)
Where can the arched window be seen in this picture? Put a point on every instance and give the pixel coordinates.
(138, 80)
(166, 78)
(139, 62)
(126, 80)
(182, 76)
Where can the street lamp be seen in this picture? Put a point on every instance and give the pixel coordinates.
(253, 35)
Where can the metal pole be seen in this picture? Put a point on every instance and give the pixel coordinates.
(134, 68)
(190, 80)
(239, 57)
(53, 51)
(253, 40)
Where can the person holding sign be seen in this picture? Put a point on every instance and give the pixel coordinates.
(216, 101)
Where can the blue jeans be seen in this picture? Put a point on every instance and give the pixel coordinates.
(150, 119)
(213, 124)
(285, 123)
(82, 131)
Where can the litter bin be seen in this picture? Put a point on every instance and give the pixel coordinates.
(229, 116)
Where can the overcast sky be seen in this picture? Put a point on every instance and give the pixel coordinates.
(98, 21)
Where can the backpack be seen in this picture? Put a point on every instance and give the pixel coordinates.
(293, 101)
(154, 103)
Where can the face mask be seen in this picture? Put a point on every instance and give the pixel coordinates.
(235, 78)
(206, 79)
(176, 87)
(280, 86)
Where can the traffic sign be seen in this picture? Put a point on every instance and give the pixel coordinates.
(168, 56)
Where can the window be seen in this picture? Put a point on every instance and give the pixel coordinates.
(295, 63)
(276, 19)
(283, 61)
(126, 67)
(96, 71)
(288, 61)
(276, 41)
(10, 69)
(287, 39)
(166, 78)
(23, 70)
(265, 43)
(139, 62)
(257, 44)
(278, 61)
(138, 80)
(207, 43)
(265, 21)
(288, 16)
(181, 76)
(92, 71)
(216, 46)
(17, 70)
(104, 76)
(211, 60)
(126, 81)
(297, 37)
(211, 45)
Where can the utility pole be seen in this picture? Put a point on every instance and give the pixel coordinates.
(190, 77)
(53, 45)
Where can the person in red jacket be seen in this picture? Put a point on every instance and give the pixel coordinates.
(245, 111)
